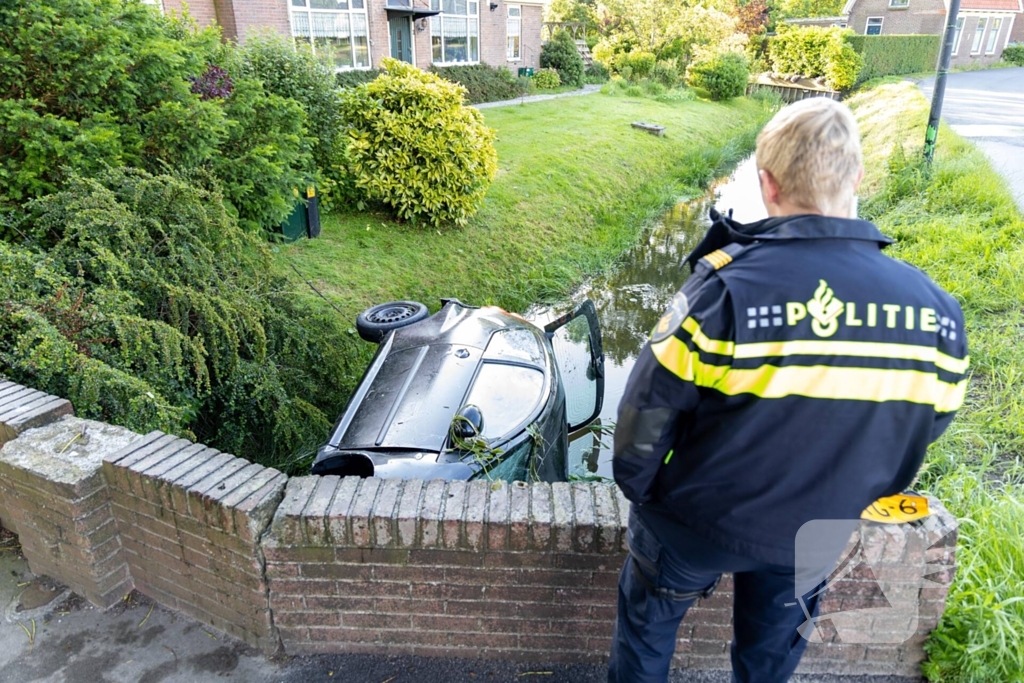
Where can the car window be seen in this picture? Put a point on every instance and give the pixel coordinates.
(506, 395)
(576, 343)
(515, 345)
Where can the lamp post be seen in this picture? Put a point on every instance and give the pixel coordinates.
(939, 91)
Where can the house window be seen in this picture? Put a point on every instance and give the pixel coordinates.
(979, 36)
(873, 27)
(335, 29)
(899, 4)
(958, 33)
(993, 33)
(455, 32)
(514, 30)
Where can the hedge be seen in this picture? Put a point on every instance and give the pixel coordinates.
(895, 55)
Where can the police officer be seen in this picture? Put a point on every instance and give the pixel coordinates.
(798, 375)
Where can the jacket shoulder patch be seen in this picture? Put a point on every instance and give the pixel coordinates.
(673, 318)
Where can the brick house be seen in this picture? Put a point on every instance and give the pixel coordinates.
(984, 27)
(358, 34)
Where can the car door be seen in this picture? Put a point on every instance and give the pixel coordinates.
(576, 343)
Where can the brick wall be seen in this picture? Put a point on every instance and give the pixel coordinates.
(248, 18)
(494, 35)
(203, 11)
(964, 57)
(477, 569)
(190, 519)
(921, 17)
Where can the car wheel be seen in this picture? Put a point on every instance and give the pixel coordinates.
(375, 322)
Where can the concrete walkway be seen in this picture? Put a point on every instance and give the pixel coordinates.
(588, 89)
(987, 107)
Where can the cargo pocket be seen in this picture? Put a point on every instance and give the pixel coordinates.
(645, 549)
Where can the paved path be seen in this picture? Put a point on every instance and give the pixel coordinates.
(987, 107)
(588, 89)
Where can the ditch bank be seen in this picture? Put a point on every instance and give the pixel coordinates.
(523, 572)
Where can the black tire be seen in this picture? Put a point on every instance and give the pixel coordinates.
(375, 322)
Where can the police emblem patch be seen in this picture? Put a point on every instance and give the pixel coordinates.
(673, 318)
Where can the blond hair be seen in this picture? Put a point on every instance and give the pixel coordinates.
(812, 149)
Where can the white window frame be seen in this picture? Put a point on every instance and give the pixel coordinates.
(517, 21)
(437, 22)
(899, 4)
(958, 34)
(298, 8)
(982, 21)
(867, 25)
(990, 39)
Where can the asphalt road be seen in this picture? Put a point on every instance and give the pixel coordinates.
(987, 107)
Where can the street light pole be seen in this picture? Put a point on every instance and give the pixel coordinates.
(939, 90)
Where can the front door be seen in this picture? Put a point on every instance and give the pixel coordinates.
(401, 38)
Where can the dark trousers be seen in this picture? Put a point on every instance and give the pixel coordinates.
(766, 646)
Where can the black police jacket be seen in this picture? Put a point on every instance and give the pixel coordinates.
(799, 374)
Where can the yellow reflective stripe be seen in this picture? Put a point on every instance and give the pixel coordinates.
(928, 354)
(718, 259)
(704, 343)
(676, 357)
(854, 384)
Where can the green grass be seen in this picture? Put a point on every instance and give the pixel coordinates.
(575, 187)
(959, 223)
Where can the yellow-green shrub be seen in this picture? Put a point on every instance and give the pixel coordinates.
(414, 146)
(545, 79)
(815, 51)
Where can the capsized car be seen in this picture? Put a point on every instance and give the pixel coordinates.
(467, 393)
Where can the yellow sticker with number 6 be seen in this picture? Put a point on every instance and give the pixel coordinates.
(903, 507)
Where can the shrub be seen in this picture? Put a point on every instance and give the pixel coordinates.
(298, 75)
(560, 53)
(1014, 54)
(350, 78)
(640, 64)
(677, 95)
(545, 79)
(141, 300)
(895, 55)
(597, 73)
(93, 84)
(652, 88)
(815, 51)
(483, 83)
(634, 91)
(665, 73)
(723, 76)
(415, 147)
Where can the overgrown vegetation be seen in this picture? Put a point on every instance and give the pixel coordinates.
(484, 83)
(815, 51)
(142, 301)
(958, 221)
(895, 55)
(722, 76)
(415, 148)
(94, 84)
(560, 53)
(1014, 54)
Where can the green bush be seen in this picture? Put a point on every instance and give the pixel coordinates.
(483, 83)
(665, 73)
(140, 299)
(298, 75)
(597, 73)
(652, 88)
(93, 84)
(677, 95)
(560, 53)
(816, 51)
(724, 76)
(639, 63)
(895, 55)
(634, 91)
(545, 79)
(350, 78)
(1014, 54)
(415, 147)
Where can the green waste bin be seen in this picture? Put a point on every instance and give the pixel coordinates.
(526, 71)
(304, 220)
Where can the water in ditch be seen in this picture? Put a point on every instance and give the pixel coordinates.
(631, 299)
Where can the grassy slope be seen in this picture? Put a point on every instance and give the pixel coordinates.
(959, 223)
(575, 186)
